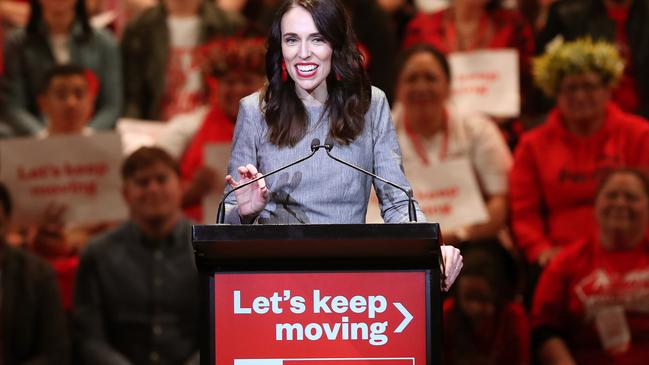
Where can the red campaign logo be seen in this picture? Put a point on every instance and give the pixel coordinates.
(368, 318)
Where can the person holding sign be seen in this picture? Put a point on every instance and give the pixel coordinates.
(432, 134)
(556, 166)
(591, 303)
(317, 91)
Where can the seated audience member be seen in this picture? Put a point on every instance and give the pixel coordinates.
(161, 76)
(482, 324)
(137, 290)
(431, 132)
(66, 102)
(622, 22)
(591, 302)
(58, 33)
(234, 68)
(469, 25)
(556, 165)
(33, 328)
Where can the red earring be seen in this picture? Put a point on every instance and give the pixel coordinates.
(284, 74)
(338, 78)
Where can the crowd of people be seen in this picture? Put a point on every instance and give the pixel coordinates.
(556, 273)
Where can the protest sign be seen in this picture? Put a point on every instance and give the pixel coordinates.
(486, 81)
(447, 192)
(78, 171)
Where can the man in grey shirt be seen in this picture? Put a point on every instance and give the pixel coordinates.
(137, 290)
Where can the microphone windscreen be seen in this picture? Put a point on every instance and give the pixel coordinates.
(329, 143)
(315, 143)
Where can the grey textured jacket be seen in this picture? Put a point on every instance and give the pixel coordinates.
(321, 190)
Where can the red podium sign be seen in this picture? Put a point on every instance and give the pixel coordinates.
(351, 318)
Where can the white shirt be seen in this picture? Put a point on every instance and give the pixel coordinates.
(470, 136)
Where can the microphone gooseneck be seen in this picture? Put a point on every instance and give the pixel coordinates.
(412, 212)
(220, 213)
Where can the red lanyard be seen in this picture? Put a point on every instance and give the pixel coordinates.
(480, 41)
(415, 139)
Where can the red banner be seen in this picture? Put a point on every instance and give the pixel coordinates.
(369, 318)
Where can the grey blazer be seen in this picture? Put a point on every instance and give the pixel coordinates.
(321, 190)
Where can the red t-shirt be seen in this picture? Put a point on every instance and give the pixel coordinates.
(216, 128)
(498, 29)
(555, 174)
(584, 277)
(506, 343)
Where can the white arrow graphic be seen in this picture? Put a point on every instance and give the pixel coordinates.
(407, 317)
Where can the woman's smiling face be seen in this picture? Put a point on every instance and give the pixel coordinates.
(306, 52)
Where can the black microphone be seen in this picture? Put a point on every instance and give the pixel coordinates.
(220, 213)
(412, 212)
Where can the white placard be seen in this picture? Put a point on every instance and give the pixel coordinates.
(486, 81)
(78, 171)
(447, 192)
(216, 156)
(138, 133)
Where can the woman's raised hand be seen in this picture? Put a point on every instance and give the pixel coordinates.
(253, 198)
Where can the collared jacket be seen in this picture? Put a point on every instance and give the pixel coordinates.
(33, 327)
(321, 190)
(145, 52)
(28, 57)
(137, 299)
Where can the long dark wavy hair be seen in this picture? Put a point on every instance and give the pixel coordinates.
(349, 97)
(36, 17)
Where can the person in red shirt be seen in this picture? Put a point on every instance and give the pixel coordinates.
(469, 25)
(592, 302)
(482, 324)
(556, 165)
(233, 68)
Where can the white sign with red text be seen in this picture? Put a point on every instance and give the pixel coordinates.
(486, 81)
(447, 192)
(80, 172)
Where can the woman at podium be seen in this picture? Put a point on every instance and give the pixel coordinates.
(317, 91)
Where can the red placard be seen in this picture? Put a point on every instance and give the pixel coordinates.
(361, 318)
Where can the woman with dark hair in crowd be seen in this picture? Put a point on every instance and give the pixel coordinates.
(556, 165)
(592, 302)
(432, 132)
(317, 88)
(58, 32)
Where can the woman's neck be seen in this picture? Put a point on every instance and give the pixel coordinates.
(466, 12)
(316, 97)
(585, 128)
(58, 24)
(618, 241)
(426, 122)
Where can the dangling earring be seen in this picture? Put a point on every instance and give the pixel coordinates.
(338, 78)
(284, 74)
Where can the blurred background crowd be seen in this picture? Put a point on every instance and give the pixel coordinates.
(556, 265)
